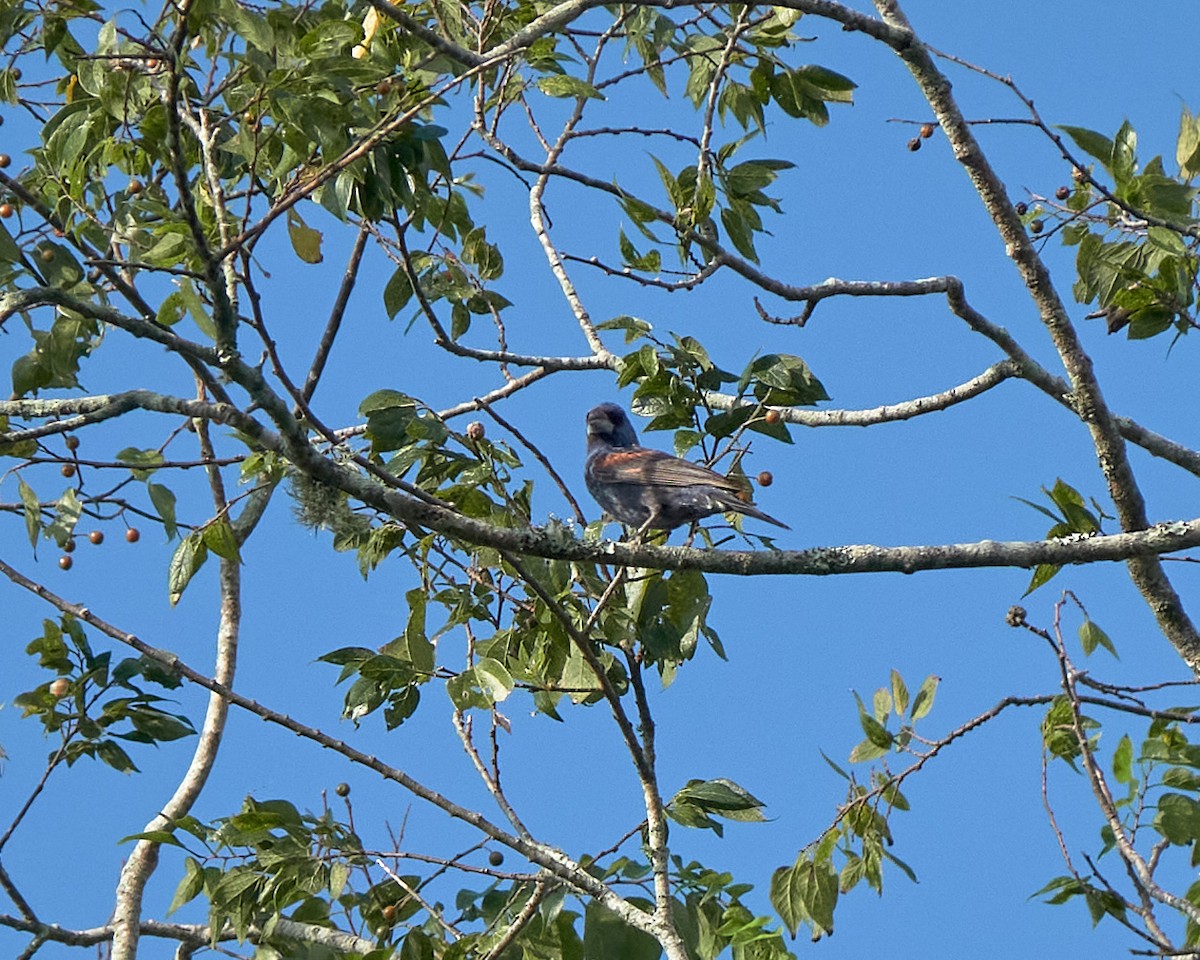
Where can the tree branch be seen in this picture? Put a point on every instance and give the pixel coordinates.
(550, 858)
(1146, 572)
(993, 376)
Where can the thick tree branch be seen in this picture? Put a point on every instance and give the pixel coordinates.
(1146, 572)
(561, 544)
(143, 859)
(196, 935)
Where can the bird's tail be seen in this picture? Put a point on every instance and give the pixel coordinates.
(740, 506)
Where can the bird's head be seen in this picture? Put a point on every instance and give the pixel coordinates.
(608, 425)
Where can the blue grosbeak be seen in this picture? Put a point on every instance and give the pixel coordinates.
(649, 489)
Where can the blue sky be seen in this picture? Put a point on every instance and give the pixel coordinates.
(858, 205)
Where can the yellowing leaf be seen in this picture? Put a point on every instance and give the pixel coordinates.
(305, 240)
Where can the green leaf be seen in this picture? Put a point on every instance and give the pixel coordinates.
(876, 732)
(171, 310)
(674, 190)
(480, 686)
(881, 704)
(607, 937)
(923, 701)
(1124, 154)
(197, 309)
(1091, 142)
(397, 292)
(1177, 778)
(189, 886)
(1122, 762)
(9, 251)
(164, 502)
(1187, 147)
(66, 516)
(1178, 819)
(220, 539)
(32, 510)
(740, 233)
(1091, 636)
(495, 678)
(164, 837)
(899, 693)
(721, 797)
(189, 557)
(305, 240)
(805, 893)
(159, 726)
(389, 415)
(1042, 573)
(58, 265)
(339, 875)
(115, 757)
(484, 256)
(650, 262)
(460, 321)
(142, 462)
(833, 86)
(561, 85)
(780, 379)
(1059, 732)
(865, 751)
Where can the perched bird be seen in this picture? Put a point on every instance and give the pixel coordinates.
(649, 489)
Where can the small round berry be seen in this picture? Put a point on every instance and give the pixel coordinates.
(46, 254)
(6, 210)
(926, 131)
(914, 144)
(475, 431)
(152, 63)
(389, 912)
(1062, 193)
(60, 688)
(5, 160)
(133, 535)
(69, 546)
(383, 87)
(495, 858)
(96, 537)
(65, 562)
(1022, 208)
(67, 470)
(773, 417)
(72, 443)
(342, 789)
(135, 186)
(16, 73)
(1036, 226)
(766, 478)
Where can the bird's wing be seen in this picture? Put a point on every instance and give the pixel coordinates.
(656, 468)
